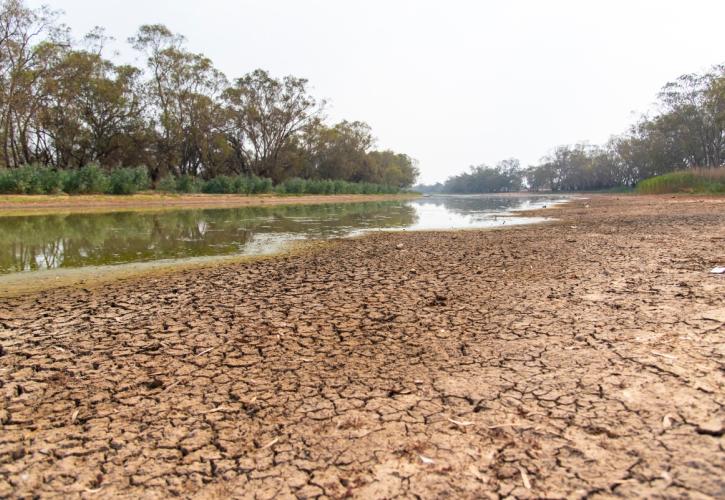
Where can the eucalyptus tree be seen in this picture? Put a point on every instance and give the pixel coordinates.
(691, 118)
(92, 112)
(392, 169)
(263, 116)
(183, 90)
(341, 151)
(30, 40)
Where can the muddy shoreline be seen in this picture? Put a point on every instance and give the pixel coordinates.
(41, 204)
(580, 358)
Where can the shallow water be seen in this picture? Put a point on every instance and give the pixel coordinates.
(42, 242)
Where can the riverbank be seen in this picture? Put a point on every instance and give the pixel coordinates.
(579, 358)
(43, 204)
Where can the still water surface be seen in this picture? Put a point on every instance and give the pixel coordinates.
(40, 242)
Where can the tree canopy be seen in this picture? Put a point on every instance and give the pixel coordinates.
(65, 105)
(686, 132)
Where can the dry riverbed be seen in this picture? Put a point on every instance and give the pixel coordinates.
(580, 358)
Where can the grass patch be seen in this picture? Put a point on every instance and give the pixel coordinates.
(695, 181)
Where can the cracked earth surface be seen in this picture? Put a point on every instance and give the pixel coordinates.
(580, 358)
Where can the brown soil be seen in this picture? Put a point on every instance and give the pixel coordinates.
(582, 358)
(34, 204)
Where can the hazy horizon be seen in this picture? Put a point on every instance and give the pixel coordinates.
(451, 84)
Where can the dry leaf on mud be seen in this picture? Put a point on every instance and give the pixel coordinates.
(426, 460)
(718, 270)
(525, 478)
(74, 416)
(460, 423)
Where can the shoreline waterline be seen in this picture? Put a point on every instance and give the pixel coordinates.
(29, 281)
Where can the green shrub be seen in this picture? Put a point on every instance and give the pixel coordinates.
(326, 186)
(128, 180)
(31, 179)
(167, 184)
(260, 185)
(92, 179)
(51, 181)
(242, 184)
(292, 186)
(692, 181)
(221, 184)
(86, 180)
(6, 182)
(188, 184)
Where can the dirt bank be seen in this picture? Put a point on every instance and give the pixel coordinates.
(577, 359)
(35, 204)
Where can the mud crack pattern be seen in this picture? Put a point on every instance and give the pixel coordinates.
(582, 358)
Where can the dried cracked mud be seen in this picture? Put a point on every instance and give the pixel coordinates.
(581, 358)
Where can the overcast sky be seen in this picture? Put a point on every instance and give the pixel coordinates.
(451, 83)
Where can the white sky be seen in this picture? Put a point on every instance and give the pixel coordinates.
(450, 82)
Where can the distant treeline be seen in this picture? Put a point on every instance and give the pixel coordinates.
(687, 132)
(64, 105)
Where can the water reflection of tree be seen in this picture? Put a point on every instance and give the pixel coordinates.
(51, 241)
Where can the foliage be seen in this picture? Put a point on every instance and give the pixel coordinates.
(687, 133)
(263, 115)
(128, 180)
(89, 179)
(505, 177)
(252, 185)
(691, 181)
(188, 184)
(222, 184)
(166, 184)
(303, 186)
(66, 105)
(31, 179)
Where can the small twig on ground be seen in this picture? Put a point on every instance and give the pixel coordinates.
(460, 423)
(271, 443)
(206, 351)
(668, 356)
(507, 425)
(525, 478)
(220, 408)
(172, 385)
